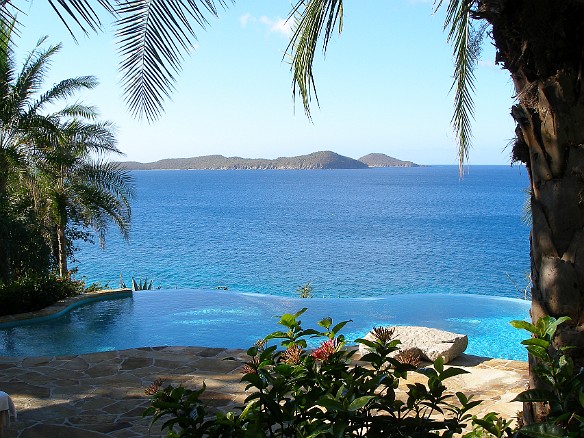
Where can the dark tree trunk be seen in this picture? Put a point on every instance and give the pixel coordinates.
(541, 43)
(5, 271)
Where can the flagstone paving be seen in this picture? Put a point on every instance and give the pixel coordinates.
(102, 394)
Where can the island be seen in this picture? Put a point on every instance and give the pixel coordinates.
(382, 160)
(315, 160)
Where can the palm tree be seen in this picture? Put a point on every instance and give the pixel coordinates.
(77, 191)
(22, 123)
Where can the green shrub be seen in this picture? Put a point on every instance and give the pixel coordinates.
(141, 284)
(30, 293)
(564, 392)
(295, 392)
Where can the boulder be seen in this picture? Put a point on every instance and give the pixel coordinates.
(432, 343)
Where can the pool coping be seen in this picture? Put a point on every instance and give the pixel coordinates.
(62, 306)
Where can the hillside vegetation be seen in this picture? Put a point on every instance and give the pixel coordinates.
(315, 160)
(382, 160)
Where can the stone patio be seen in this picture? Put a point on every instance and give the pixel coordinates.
(102, 394)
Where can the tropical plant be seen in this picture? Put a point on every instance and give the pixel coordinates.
(142, 284)
(305, 291)
(74, 188)
(295, 392)
(561, 387)
(23, 125)
(152, 36)
(34, 292)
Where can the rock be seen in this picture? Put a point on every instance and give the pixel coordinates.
(57, 431)
(432, 343)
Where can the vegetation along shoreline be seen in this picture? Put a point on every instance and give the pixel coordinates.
(315, 160)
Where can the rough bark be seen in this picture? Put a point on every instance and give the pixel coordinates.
(541, 43)
(5, 271)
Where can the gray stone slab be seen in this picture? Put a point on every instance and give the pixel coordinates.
(55, 431)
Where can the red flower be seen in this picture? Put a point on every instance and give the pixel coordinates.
(326, 350)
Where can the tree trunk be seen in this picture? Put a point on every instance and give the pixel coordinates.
(5, 271)
(541, 43)
(62, 251)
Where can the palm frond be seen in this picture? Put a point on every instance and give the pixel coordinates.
(78, 110)
(152, 37)
(466, 43)
(312, 19)
(63, 90)
(7, 62)
(103, 191)
(98, 138)
(81, 12)
(32, 74)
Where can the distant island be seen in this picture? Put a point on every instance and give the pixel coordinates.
(316, 160)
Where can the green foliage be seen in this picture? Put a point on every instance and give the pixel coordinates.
(295, 392)
(305, 291)
(563, 391)
(54, 184)
(141, 284)
(94, 287)
(32, 292)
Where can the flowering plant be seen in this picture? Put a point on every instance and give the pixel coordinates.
(296, 392)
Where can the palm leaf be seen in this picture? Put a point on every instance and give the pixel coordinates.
(79, 110)
(152, 37)
(81, 12)
(312, 19)
(466, 43)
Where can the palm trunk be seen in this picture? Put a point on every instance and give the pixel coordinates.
(5, 271)
(62, 251)
(541, 43)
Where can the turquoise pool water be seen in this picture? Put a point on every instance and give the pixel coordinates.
(213, 318)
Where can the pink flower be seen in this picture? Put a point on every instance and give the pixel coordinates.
(326, 350)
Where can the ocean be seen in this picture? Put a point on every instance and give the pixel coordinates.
(350, 233)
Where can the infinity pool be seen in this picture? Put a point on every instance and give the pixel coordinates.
(236, 320)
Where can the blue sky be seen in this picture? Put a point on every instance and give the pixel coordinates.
(383, 87)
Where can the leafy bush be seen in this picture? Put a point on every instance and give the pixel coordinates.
(141, 284)
(30, 293)
(564, 392)
(295, 392)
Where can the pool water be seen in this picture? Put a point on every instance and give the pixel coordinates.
(228, 319)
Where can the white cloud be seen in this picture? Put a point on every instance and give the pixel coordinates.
(245, 19)
(274, 25)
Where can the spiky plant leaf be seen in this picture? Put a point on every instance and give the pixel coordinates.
(312, 19)
(153, 36)
(466, 43)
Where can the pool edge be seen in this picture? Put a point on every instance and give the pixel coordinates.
(61, 307)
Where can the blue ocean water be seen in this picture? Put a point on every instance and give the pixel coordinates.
(351, 233)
